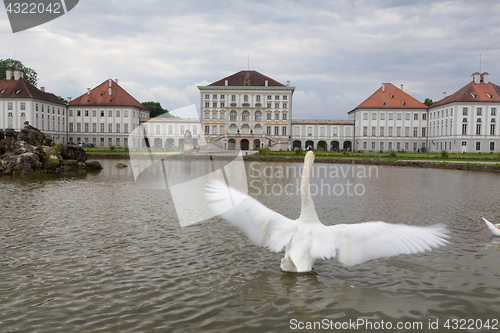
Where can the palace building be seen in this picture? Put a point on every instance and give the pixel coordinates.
(390, 119)
(21, 102)
(104, 116)
(466, 120)
(247, 110)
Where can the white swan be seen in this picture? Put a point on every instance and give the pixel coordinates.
(494, 228)
(306, 239)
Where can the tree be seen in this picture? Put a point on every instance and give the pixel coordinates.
(155, 109)
(428, 102)
(29, 74)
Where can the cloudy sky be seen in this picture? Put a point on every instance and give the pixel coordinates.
(336, 53)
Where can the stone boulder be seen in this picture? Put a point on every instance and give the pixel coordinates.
(34, 137)
(49, 157)
(3, 147)
(69, 163)
(93, 165)
(27, 162)
(73, 153)
(21, 147)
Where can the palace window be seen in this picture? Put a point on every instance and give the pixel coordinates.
(245, 116)
(233, 116)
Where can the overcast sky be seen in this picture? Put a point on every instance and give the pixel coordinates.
(336, 53)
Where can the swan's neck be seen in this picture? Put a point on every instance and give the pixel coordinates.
(307, 212)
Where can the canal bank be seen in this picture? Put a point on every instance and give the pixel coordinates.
(441, 164)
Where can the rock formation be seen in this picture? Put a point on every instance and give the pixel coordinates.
(35, 151)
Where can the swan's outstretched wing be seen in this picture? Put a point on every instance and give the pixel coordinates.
(357, 243)
(494, 230)
(263, 226)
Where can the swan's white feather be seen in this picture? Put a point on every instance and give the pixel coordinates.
(493, 228)
(262, 225)
(357, 243)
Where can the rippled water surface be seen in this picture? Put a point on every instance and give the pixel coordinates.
(97, 253)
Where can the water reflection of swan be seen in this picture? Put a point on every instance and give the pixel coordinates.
(494, 228)
(306, 239)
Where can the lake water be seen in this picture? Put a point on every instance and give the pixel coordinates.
(98, 253)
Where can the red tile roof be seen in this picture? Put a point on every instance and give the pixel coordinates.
(23, 89)
(247, 78)
(99, 96)
(473, 92)
(391, 98)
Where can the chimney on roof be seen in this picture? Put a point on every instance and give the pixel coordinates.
(17, 74)
(266, 83)
(476, 77)
(226, 82)
(116, 80)
(383, 87)
(69, 99)
(88, 91)
(110, 81)
(288, 83)
(42, 89)
(485, 77)
(401, 87)
(444, 94)
(8, 74)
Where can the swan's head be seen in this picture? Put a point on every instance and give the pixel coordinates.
(309, 156)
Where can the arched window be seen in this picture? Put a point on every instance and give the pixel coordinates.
(245, 116)
(233, 116)
(258, 129)
(214, 114)
(258, 116)
(232, 129)
(245, 129)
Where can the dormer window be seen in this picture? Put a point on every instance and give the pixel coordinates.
(1, 92)
(17, 92)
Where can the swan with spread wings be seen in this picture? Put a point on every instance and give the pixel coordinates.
(306, 239)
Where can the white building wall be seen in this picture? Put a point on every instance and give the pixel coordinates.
(446, 127)
(52, 114)
(390, 129)
(223, 94)
(81, 120)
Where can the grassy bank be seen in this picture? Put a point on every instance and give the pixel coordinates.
(388, 156)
